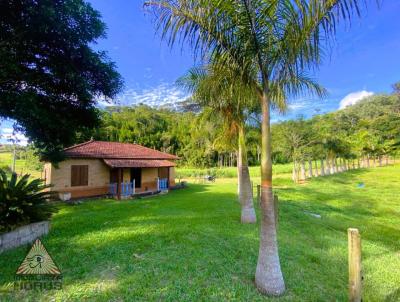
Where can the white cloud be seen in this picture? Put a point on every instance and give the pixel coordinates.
(8, 136)
(297, 106)
(7, 130)
(353, 98)
(162, 94)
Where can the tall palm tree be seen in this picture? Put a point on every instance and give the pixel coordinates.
(278, 38)
(220, 88)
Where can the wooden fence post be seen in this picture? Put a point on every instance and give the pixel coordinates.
(259, 193)
(354, 245)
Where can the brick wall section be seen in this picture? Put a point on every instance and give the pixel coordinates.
(99, 174)
(23, 235)
(60, 177)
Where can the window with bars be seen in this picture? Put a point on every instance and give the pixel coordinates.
(79, 175)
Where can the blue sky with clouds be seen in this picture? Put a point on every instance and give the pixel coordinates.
(365, 59)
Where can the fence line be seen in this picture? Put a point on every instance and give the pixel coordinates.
(306, 169)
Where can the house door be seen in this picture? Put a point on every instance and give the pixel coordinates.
(136, 174)
(114, 175)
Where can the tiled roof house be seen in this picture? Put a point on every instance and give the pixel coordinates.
(97, 168)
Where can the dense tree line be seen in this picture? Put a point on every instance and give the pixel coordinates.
(371, 126)
(197, 137)
(368, 128)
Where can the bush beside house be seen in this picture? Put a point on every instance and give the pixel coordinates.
(23, 201)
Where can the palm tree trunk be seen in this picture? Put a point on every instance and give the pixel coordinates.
(303, 170)
(269, 278)
(294, 171)
(322, 168)
(310, 171)
(316, 168)
(246, 193)
(239, 177)
(328, 167)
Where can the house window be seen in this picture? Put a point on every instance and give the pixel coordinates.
(79, 175)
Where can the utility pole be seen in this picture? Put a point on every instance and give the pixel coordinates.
(13, 159)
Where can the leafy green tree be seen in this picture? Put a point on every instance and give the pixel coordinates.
(297, 140)
(220, 89)
(50, 77)
(32, 162)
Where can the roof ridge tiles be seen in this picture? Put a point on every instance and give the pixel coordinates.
(79, 145)
(115, 150)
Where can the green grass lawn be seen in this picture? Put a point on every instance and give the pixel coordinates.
(229, 172)
(189, 245)
(20, 165)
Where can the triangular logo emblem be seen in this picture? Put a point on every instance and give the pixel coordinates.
(38, 262)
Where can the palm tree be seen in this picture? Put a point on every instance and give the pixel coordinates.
(220, 88)
(279, 39)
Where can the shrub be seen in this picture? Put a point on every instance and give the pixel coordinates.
(23, 201)
(6, 169)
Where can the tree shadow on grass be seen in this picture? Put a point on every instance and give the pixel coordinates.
(189, 245)
(172, 250)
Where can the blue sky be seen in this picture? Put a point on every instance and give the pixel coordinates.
(365, 58)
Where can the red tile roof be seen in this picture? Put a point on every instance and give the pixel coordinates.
(113, 150)
(138, 163)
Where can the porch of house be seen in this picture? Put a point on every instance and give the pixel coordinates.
(128, 181)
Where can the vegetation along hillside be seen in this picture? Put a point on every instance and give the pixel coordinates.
(371, 126)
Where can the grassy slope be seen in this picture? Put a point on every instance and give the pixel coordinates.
(20, 165)
(189, 245)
